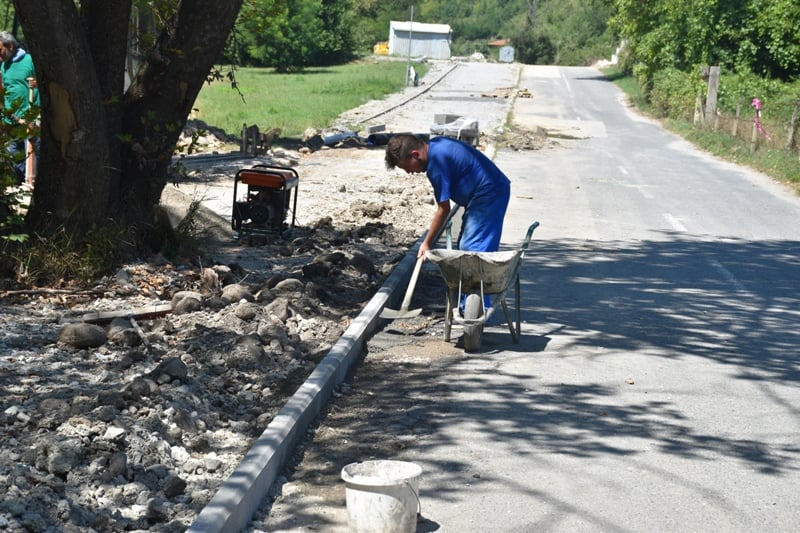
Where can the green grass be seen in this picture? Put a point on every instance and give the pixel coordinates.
(298, 101)
(781, 165)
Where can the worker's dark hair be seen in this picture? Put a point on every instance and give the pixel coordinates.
(399, 148)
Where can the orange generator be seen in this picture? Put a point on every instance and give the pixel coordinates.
(263, 196)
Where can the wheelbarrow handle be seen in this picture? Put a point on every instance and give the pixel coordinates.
(529, 234)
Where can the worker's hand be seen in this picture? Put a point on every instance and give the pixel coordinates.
(424, 247)
(32, 83)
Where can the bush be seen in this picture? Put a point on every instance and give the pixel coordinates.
(777, 97)
(673, 93)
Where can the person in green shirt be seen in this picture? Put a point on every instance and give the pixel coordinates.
(19, 84)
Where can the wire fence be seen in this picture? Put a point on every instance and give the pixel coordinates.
(751, 124)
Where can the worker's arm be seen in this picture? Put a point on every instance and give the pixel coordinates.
(439, 218)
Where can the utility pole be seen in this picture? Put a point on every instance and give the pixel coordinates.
(410, 35)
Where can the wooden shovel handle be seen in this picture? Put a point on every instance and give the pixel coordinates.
(412, 283)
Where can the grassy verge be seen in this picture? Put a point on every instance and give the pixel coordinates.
(781, 165)
(298, 101)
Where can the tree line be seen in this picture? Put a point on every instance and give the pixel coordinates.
(668, 45)
(292, 35)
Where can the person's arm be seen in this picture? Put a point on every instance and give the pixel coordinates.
(439, 218)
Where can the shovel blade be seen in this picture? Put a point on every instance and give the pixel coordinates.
(400, 313)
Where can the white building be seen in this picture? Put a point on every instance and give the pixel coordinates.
(429, 40)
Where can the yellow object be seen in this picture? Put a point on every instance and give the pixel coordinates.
(381, 48)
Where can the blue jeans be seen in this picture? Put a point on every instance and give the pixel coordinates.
(16, 149)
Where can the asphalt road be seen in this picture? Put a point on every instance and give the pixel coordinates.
(655, 387)
(656, 384)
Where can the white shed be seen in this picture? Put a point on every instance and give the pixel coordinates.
(429, 40)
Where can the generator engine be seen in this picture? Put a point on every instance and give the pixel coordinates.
(266, 208)
(263, 206)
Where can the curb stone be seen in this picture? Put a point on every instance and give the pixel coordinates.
(240, 496)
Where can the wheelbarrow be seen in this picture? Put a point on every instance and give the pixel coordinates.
(473, 276)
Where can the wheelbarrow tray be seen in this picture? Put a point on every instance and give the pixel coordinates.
(479, 274)
(491, 272)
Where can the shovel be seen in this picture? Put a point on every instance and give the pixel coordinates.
(404, 312)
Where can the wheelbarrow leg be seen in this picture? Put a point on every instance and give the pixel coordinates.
(513, 325)
(510, 322)
(448, 315)
(519, 310)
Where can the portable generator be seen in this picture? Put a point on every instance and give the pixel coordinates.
(263, 196)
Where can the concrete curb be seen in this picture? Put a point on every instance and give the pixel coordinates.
(234, 504)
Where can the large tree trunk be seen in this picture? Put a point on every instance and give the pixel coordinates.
(105, 155)
(72, 185)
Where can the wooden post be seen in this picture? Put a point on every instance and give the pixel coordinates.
(698, 109)
(738, 116)
(713, 87)
(254, 133)
(793, 127)
(754, 138)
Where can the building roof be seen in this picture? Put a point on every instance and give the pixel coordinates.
(422, 27)
(500, 42)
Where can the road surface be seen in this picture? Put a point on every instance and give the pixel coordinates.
(656, 384)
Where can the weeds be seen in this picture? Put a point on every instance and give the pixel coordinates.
(188, 229)
(61, 258)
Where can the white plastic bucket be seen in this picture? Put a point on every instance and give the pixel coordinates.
(382, 496)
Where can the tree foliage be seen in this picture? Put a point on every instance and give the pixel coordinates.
(758, 36)
(565, 32)
(290, 35)
(106, 150)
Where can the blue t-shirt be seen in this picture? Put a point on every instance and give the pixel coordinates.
(459, 172)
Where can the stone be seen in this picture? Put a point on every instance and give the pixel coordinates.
(289, 285)
(174, 486)
(279, 308)
(362, 263)
(236, 292)
(247, 310)
(188, 304)
(82, 335)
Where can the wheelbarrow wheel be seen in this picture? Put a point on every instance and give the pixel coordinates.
(473, 310)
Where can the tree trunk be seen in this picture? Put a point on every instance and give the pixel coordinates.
(106, 153)
(72, 186)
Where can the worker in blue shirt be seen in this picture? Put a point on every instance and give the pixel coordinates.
(462, 174)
